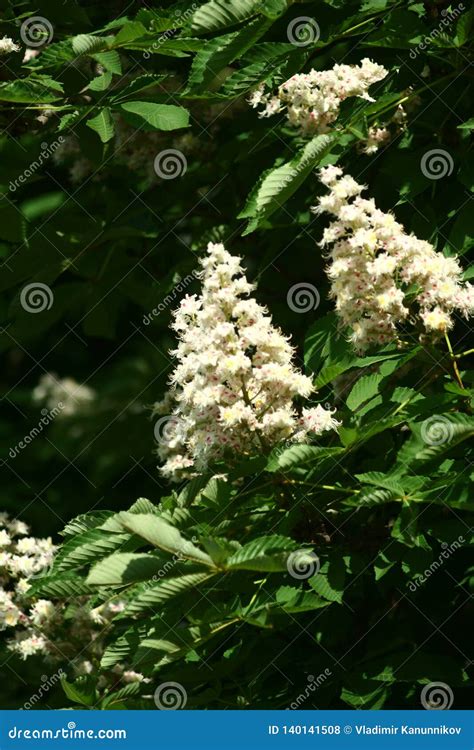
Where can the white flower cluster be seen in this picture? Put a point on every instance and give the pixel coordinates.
(57, 631)
(235, 382)
(382, 277)
(7, 45)
(312, 100)
(21, 558)
(73, 397)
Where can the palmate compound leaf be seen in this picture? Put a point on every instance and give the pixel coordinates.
(277, 185)
(160, 534)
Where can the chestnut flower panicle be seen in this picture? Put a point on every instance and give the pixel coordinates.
(312, 100)
(235, 381)
(382, 277)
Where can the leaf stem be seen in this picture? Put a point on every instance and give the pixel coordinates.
(452, 356)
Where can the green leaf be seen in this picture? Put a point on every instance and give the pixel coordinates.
(29, 91)
(103, 125)
(155, 116)
(268, 553)
(278, 185)
(154, 596)
(364, 389)
(110, 60)
(162, 535)
(88, 547)
(125, 567)
(219, 14)
(86, 44)
(221, 51)
(81, 691)
(62, 586)
(299, 455)
(100, 83)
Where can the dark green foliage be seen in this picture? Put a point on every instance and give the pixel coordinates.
(211, 603)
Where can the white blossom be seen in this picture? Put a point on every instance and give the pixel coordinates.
(374, 263)
(7, 45)
(312, 100)
(235, 381)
